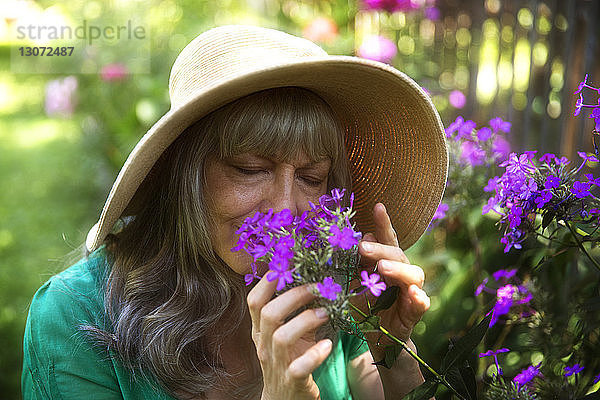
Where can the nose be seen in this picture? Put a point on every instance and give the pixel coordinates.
(282, 193)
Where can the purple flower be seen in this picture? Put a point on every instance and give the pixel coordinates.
(481, 287)
(581, 189)
(492, 352)
(279, 270)
(587, 157)
(504, 301)
(546, 158)
(495, 354)
(484, 134)
(544, 197)
(378, 48)
(249, 278)
(582, 84)
(471, 153)
(592, 180)
(596, 379)
(578, 105)
(344, 239)
(453, 127)
(514, 216)
(528, 188)
(527, 375)
(510, 240)
(440, 212)
(504, 273)
(501, 147)
(491, 185)
(329, 289)
(596, 115)
(390, 5)
(372, 283)
(432, 13)
(562, 161)
(465, 130)
(457, 99)
(517, 164)
(280, 219)
(498, 124)
(552, 182)
(574, 370)
(489, 206)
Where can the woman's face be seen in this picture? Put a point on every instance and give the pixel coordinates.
(241, 185)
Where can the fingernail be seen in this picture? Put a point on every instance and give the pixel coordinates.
(367, 246)
(325, 346)
(321, 313)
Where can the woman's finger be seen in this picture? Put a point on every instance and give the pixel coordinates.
(258, 297)
(397, 273)
(373, 252)
(304, 365)
(274, 313)
(384, 231)
(289, 333)
(420, 303)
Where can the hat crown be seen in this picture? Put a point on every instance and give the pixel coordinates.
(226, 52)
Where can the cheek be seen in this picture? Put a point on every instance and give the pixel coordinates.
(230, 203)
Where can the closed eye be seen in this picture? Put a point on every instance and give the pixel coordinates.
(312, 182)
(248, 171)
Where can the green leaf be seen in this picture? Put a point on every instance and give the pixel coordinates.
(463, 380)
(386, 299)
(392, 352)
(548, 217)
(370, 324)
(424, 392)
(463, 348)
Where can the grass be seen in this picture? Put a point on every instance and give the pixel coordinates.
(52, 192)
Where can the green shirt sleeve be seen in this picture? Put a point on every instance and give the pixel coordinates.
(59, 362)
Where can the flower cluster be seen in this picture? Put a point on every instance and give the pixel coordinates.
(474, 152)
(479, 146)
(318, 247)
(595, 114)
(511, 295)
(546, 188)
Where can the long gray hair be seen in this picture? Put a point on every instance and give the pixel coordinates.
(169, 298)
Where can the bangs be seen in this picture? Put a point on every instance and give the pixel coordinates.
(280, 123)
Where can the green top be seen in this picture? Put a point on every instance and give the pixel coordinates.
(60, 362)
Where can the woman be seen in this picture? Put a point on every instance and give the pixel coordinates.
(259, 120)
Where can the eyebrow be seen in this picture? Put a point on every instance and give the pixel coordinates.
(325, 162)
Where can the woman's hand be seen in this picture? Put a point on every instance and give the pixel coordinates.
(381, 249)
(287, 352)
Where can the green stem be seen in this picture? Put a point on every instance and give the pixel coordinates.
(414, 355)
(581, 245)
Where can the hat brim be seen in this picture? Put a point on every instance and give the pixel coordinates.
(394, 137)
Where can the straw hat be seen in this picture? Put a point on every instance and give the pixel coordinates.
(394, 137)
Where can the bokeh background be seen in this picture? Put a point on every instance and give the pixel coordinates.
(63, 137)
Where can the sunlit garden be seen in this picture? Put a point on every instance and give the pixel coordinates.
(511, 258)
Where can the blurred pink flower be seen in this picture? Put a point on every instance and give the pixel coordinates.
(457, 99)
(501, 147)
(60, 97)
(432, 13)
(113, 72)
(391, 5)
(321, 29)
(378, 48)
